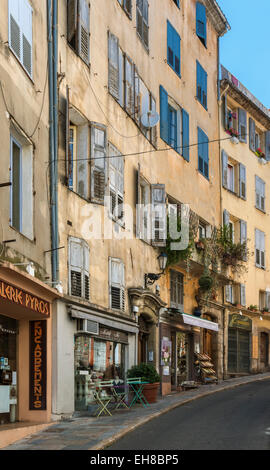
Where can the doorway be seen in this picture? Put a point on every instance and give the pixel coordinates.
(264, 345)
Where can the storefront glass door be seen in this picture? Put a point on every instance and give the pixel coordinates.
(8, 370)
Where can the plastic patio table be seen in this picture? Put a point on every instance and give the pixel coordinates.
(137, 388)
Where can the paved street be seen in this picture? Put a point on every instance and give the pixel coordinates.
(229, 420)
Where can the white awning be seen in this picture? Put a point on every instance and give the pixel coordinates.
(201, 322)
(123, 325)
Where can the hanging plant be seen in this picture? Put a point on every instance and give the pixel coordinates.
(206, 282)
(175, 256)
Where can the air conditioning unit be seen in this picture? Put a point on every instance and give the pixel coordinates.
(87, 326)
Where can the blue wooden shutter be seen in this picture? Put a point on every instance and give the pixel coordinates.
(242, 123)
(201, 22)
(164, 114)
(177, 59)
(203, 155)
(199, 84)
(204, 89)
(267, 145)
(224, 169)
(243, 235)
(242, 181)
(252, 134)
(185, 124)
(170, 45)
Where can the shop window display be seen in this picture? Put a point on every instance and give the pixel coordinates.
(8, 374)
(95, 360)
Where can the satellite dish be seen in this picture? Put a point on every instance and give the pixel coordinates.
(150, 119)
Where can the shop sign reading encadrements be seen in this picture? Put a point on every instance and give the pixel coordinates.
(25, 299)
(38, 365)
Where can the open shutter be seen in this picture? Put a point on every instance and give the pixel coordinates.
(128, 7)
(26, 25)
(226, 217)
(267, 145)
(129, 86)
(14, 27)
(139, 216)
(69, 165)
(224, 169)
(252, 134)
(170, 44)
(113, 47)
(185, 124)
(82, 162)
(201, 22)
(262, 246)
(243, 295)
(243, 235)
(159, 216)
(98, 164)
(75, 267)
(199, 82)
(84, 30)
(225, 111)
(72, 22)
(117, 284)
(164, 114)
(242, 181)
(116, 178)
(242, 123)
(228, 296)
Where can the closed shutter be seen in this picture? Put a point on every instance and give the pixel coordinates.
(267, 145)
(113, 47)
(185, 124)
(164, 114)
(86, 276)
(252, 134)
(176, 288)
(72, 23)
(224, 169)
(262, 244)
(159, 216)
(260, 248)
(117, 284)
(201, 30)
(228, 293)
(84, 30)
(242, 181)
(199, 82)
(174, 48)
(203, 155)
(139, 212)
(260, 193)
(98, 164)
(242, 123)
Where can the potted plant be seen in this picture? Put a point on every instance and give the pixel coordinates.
(260, 153)
(149, 374)
(205, 282)
(234, 135)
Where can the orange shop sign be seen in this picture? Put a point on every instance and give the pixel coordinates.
(25, 299)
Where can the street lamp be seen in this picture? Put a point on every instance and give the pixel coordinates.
(150, 278)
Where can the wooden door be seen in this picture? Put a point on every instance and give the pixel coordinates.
(264, 349)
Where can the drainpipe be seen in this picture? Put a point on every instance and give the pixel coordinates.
(53, 130)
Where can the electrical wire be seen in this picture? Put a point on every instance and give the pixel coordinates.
(43, 100)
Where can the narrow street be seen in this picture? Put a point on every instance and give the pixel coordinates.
(235, 419)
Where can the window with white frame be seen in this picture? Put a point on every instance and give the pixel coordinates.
(116, 183)
(260, 249)
(20, 32)
(79, 278)
(117, 284)
(21, 193)
(260, 193)
(176, 290)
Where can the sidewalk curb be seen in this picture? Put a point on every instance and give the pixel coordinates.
(142, 421)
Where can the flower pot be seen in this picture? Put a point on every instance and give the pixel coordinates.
(234, 139)
(197, 312)
(150, 392)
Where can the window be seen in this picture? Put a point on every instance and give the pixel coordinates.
(201, 22)
(260, 193)
(260, 249)
(173, 48)
(230, 294)
(142, 21)
(237, 227)
(117, 284)
(78, 28)
(86, 163)
(151, 216)
(21, 193)
(264, 301)
(176, 290)
(174, 124)
(203, 155)
(235, 294)
(201, 85)
(116, 183)
(79, 280)
(233, 175)
(20, 32)
(127, 6)
(129, 90)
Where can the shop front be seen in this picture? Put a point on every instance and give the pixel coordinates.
(181, 355)
(239, 344)
(25, 344)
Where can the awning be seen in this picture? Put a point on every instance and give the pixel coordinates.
(102, 319)
(201, 322)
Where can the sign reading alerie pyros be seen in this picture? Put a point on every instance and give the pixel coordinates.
(25, 299)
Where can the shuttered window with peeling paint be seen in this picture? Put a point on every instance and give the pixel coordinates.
(98, 163)
(78, 27)
(117, 284)
(20, 32)
(79, 279)
(116, 183)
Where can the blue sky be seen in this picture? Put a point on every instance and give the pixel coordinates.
(245, 50)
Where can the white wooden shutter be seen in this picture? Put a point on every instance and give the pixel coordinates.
(224, 169)
(27, 36)
(82, 160)
(116, 179)
(114, 65)
(15, 27)
(75, 267)
(84, 30)
(20, 31)
(129, 86)
(228, 293)
(159, 216)
(262, 245)
(86, 268)
(98, 163)
(243, 295)
(117, 284)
